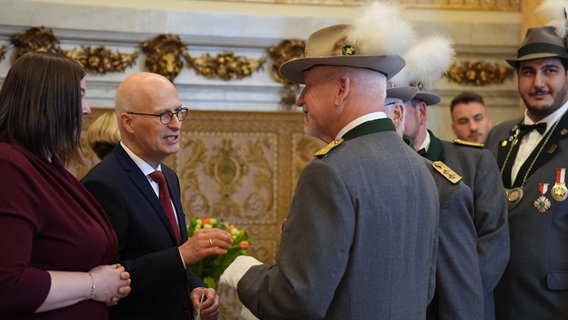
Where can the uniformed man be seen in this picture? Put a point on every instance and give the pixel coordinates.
(459, 293)
(480, 173)
(531, 153)
(360, 237)
(427, 59)
(470, 120)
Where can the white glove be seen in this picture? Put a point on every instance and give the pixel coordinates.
(246, 314)
(236, 270)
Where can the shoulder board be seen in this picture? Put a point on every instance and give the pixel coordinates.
(324, 151)
(446, 171)
(468, 143)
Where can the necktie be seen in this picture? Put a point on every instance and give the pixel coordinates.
(422, 152)
(526, 128)
(159, 178)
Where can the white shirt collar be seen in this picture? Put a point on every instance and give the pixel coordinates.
(426, 144)
(143, 165)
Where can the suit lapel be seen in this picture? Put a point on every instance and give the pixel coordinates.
(140, 182)
(553, 144)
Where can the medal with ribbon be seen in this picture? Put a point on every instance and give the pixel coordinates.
(558, 191)
(542, 203)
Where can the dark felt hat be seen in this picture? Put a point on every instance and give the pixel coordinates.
(541, 42)
(328, 47)
(402, 93)
(413, 92)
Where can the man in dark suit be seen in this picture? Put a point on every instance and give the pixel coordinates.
(459, 293)
(360, 237)
(531, 153)
(153, 245)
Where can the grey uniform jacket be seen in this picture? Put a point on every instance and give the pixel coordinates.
(481, 174)
(535, 283)
(459, 293)
(360, 238)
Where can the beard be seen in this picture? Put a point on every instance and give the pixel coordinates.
(542, 111)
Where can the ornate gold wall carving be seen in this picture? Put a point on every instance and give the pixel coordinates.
(479, 73)
(286, 50)
(163, 56)
(98, 60)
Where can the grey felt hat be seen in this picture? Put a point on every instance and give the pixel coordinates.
(403, 93)
(328, 47)
(413, 92)
(541, 42)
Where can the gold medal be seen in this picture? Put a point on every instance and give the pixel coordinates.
(542, 203)
(559, 190)
(514, 195)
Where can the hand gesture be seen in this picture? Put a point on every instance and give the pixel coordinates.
(110, 283)
(206, 302)
(205, 242)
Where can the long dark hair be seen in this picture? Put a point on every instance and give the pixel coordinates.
(40, 106)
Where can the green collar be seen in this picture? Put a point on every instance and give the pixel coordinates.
(384, 124)
(436, 150)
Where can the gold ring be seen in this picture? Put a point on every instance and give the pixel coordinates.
(210, 242)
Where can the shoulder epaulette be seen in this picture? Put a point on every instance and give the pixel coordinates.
(446, 171)
(325, 150)
(468, 143)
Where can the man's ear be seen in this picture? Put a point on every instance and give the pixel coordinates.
(126, 122)
(422, 113)
(343, 89)
(398, 112)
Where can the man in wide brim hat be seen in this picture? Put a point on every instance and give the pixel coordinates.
(541, 42)
(329, 47)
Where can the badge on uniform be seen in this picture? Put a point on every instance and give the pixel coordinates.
(559, 190)
(542, 203)
(325, 150)
(514, 196)
(446, 171)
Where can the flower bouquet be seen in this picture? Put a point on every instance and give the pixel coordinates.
(211, 267)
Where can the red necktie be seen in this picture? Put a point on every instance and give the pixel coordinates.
(159, 178)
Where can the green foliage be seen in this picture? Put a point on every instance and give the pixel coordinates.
(210, 268)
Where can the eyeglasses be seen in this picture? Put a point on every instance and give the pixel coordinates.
(166, 116)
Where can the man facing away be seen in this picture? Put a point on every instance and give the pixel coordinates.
(470, 120)
(481, 175)
(153, 243)
(531, 154)
(360, 237)
(459, 292)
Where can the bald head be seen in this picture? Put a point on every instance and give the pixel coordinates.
(140, 89)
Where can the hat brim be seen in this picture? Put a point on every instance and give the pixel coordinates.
(293, 70)
(403, 93)
(429, 98)
(515, 62)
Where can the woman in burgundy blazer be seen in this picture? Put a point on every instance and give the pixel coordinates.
(54, 236)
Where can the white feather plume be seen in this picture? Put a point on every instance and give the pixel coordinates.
(555, 12)
(426, 61)
(380, 30)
